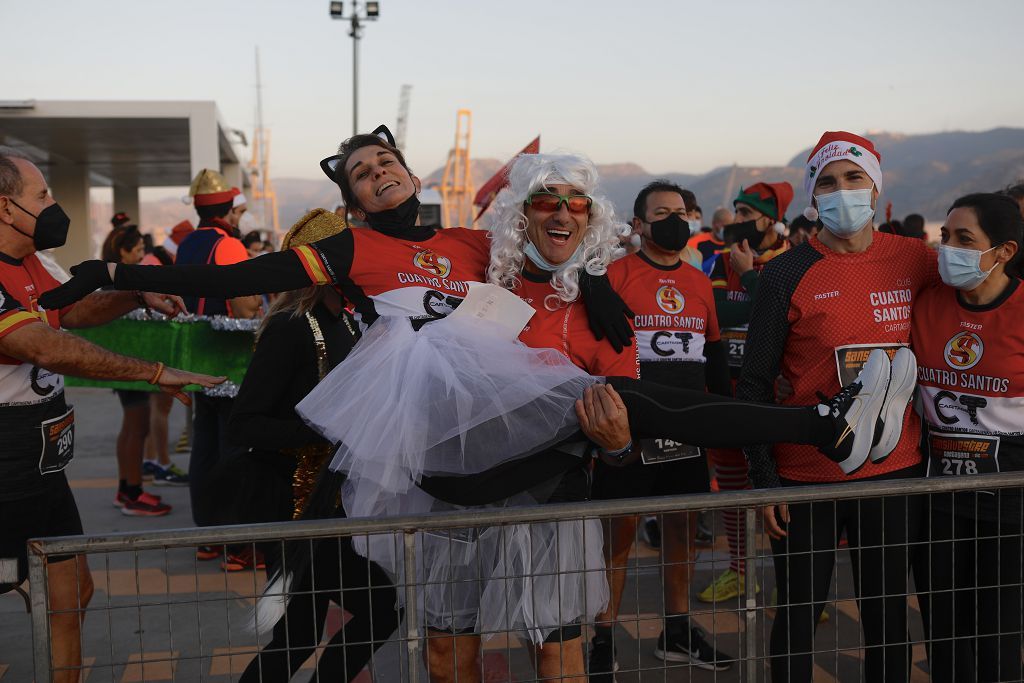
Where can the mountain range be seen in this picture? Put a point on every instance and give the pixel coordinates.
(923, 174)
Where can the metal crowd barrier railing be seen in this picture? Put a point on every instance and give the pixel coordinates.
(158, 614)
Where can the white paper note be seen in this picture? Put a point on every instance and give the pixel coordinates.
(490, 302)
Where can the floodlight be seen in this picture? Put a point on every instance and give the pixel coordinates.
(373, 9)
(337, 10)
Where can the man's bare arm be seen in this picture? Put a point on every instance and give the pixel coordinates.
(101, 307)
(65, 353)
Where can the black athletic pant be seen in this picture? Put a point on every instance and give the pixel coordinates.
(878, 531)
(210, 505)
(359, 587)
(968, 575)
(713, 421)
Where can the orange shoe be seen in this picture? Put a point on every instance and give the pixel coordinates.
(246, 559)
(208, 552)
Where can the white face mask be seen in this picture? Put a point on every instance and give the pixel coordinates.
(961, 268)
(533, 253)
(695, 227)
(845, 212)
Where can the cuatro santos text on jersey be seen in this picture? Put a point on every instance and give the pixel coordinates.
(818, 315)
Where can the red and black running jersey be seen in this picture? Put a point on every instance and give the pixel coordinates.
(28, 394)
(423, 279)
(817, 316)
(674, 316)
(566, 329)
(970, 380)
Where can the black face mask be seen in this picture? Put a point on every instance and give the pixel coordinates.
(51, 227)
(670, 233)
(396, 220)
(747, 230)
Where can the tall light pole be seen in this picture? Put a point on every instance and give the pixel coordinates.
(365, 11)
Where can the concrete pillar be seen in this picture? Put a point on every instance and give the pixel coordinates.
(233, 174)
(126, 198)
(204, 147)
(69, 184)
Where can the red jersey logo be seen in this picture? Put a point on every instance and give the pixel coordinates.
(964, 351)
(670, 300)
(439, 266)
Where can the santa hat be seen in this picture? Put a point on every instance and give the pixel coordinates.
(238, 199)
(180, 231)
(771, 199)
(836, 145)
(178, 234)
(209, 188)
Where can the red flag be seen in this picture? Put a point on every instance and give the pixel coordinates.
(492, 187)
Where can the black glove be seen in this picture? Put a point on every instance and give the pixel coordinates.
(88, 276)
(607, 313)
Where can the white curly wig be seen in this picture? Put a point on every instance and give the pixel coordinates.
(600, 245)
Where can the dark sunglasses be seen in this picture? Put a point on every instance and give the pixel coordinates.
(551, 201)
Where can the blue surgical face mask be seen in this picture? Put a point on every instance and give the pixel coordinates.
(961, 268)
(845, 212)
(533, 254)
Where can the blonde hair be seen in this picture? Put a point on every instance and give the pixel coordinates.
(599, 247)
(298, 302)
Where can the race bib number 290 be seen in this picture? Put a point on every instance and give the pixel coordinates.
(58, 435)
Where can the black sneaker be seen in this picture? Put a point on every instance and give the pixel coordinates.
(602, 666)
(854, 412)
(652, 532)
(694, 649)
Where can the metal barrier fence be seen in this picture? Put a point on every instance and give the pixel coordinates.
(159, 614)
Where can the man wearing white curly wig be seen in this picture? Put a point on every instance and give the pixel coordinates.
(549, 226)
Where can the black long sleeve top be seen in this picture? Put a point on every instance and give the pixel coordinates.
(282, 371)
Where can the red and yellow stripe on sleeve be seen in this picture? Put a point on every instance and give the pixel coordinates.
(314, 265)
(14, 320)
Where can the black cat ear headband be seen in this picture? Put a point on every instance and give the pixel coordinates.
(331, 164)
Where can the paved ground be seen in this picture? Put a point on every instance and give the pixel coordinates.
(163, 616)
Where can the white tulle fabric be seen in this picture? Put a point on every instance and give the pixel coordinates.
(455, 398)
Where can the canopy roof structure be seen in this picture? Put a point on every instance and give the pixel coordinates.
(121, 144)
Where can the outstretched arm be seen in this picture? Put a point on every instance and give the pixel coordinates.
(278, 272)
(67, 354)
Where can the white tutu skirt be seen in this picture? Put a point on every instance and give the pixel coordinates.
(453, 399)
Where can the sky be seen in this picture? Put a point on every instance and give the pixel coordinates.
(670, 85)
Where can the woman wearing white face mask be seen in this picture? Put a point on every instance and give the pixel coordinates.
(970, 347)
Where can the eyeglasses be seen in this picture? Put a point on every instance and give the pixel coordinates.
(551, 201)
(330, 166)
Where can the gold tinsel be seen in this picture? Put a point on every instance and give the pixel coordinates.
(308, 462)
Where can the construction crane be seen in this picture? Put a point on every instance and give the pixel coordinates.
(402, 121)
(259, 166)
(457, 182)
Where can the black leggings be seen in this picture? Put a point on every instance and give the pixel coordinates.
(968, 576)
(713, 421)
(878, 531)
(359, 587)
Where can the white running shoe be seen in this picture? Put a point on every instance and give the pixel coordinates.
(902, 381)
(854, 412)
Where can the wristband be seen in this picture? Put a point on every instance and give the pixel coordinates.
(141, 299)
(620, 453)
(159, 372)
